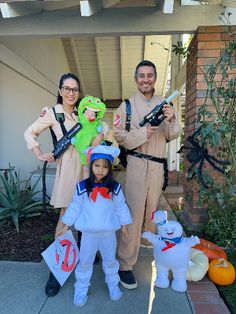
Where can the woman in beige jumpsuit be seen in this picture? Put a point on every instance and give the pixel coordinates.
(69, 169)
(144, 178)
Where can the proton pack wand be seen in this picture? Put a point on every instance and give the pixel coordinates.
(62, 145)
(156, 116)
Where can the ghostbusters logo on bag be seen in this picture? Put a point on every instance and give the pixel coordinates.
(117, 120)
(65, 255)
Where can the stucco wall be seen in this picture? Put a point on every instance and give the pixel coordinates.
(21, 100)
(45, 54)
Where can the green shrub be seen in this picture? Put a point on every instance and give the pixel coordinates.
(216, 122)
(221, 226)
(16, 198)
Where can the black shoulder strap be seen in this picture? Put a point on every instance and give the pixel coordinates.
(128, 115)
(60, 118)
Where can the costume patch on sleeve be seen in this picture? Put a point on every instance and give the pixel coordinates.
(80, 187)
(116, 187)
(43, 112)
(117, 120)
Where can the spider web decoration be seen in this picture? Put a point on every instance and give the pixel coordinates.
(198, 155)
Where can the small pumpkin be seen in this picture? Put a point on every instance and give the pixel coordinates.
(221, 272)
(210, 249)
(198, 265)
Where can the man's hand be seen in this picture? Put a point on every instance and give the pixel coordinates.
(169, 112)
(150, 130)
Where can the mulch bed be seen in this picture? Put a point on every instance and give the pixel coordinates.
(35, 235)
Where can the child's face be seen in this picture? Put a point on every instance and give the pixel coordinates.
(100, 169)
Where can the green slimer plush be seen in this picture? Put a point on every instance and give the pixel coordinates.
(90, 112)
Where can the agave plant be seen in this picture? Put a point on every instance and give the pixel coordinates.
(16, 198)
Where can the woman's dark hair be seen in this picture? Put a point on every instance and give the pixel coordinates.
(145, 63)
(107, 181)
(61, 82)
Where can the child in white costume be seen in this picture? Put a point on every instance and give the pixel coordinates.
(98, 209)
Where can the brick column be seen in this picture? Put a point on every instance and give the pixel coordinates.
(205, 49)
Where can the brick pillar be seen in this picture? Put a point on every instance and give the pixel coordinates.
(205, 48)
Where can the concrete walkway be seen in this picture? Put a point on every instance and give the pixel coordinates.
(22, 291)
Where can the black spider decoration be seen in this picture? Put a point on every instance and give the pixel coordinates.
(199, 154)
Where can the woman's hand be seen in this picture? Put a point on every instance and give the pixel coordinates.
(41, 156)
(46, 157)
(97, 139)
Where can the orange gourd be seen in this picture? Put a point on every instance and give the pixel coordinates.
(221, 272)
(210, 249)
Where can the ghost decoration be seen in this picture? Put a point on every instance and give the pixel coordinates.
(171, 251)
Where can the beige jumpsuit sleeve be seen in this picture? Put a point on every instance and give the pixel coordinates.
(172, 129)
(44, 121)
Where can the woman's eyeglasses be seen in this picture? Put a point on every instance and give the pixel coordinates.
(67, 90)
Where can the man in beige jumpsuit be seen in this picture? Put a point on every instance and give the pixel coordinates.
(144, 178)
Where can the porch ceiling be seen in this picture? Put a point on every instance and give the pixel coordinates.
(14, 8)
(105, 39)
(105, 65)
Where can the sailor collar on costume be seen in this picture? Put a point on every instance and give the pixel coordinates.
(81, 187)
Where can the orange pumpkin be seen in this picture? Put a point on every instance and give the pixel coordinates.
(210, 249)
(221, 272)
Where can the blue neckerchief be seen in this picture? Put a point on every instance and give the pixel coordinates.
(174, 240)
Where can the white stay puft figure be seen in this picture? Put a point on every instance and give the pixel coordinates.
(171, 251)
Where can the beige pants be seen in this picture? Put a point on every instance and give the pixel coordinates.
(142, 190)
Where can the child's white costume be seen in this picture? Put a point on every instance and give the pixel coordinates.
(171, 251)
(98, 216)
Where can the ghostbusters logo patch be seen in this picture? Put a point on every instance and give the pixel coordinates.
(117, 120)
(42, 114)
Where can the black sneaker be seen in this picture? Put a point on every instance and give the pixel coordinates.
(127, 279)
(52, 287)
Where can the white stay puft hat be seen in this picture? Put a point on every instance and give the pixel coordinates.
(159, 217)
(102, 151)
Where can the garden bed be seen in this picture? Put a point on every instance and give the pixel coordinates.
(35, 235)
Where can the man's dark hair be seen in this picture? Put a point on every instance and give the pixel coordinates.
(145, 63)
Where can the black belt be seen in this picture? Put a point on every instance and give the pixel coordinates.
(156, 159)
